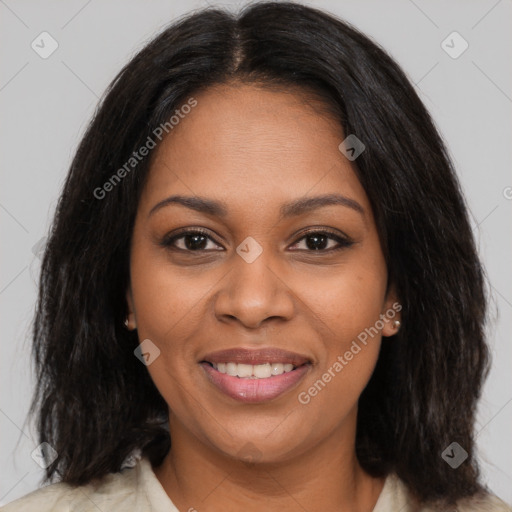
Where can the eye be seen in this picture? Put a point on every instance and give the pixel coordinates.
(195, 240)
(318, 241)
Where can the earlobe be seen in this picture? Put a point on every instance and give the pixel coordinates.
(391, 328)
(392, 322)
(391, 315)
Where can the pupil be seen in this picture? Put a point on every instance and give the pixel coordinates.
(195, 244)
(316, 239)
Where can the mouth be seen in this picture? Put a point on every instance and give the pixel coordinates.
(255, 375)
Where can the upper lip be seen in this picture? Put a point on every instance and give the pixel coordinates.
(256, 356)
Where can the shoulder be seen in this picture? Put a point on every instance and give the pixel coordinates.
(116, 491)
(56, 497)
(483, 503)
(396, 496)
(480, 503)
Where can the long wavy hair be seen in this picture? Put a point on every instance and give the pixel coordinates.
(95, 402)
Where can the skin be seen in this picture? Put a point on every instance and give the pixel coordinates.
(255, 149)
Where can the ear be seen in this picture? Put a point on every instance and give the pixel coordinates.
(390, 314)
(130, 318)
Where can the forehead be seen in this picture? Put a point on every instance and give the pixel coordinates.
(251, 145)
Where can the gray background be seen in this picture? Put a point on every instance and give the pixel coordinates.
(46, 103)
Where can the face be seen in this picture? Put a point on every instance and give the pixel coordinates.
(265, 292)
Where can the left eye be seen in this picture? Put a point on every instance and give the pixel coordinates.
(319, 241)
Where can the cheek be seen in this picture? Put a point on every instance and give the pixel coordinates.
(349, 308)
(347, 299)
(167, 298)
(350, 352)
(334, 392)
(167, 308)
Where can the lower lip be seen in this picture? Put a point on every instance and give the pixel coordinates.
(255, 390)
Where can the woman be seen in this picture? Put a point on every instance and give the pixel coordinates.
(261, 290)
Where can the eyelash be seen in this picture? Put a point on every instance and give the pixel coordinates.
(343, 242)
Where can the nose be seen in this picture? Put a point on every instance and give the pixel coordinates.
(254, 293)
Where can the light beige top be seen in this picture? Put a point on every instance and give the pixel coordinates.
(137, 489)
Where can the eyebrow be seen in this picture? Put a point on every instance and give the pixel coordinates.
(290, 209)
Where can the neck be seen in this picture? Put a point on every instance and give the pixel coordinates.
(328, 477)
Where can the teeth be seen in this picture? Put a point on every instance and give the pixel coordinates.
(276, 368)
(253, 371)
(244, 370)
(262, 371)
(231, 369)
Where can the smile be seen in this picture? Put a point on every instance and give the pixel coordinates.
(255, 375)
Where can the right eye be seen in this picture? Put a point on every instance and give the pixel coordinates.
(192, 240)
